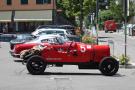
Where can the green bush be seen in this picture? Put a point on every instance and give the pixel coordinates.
(124, 60)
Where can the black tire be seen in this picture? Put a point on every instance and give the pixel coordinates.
(36, 65)
(106, 31)
(109, 66)
(114, 30)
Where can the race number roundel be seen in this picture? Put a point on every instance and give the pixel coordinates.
(83, 49)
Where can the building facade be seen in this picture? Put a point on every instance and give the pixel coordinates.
(25, 15)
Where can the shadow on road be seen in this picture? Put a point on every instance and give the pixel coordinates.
(63, 73)
(102, 37)
(79, 74)
(19, 60)
(75, 74)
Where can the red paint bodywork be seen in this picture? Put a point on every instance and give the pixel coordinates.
(69, 53)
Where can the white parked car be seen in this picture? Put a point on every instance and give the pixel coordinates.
(44, 31)
(129, 28)
(46, 38)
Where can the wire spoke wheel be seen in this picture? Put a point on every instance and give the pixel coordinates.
(109, 66)
(36, 65)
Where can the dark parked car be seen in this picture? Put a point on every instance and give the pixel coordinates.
(21, 38)
(7, 37)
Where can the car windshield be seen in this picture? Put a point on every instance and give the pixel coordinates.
(37, 38)
(61, 40)
(59, 32)
(50, 32)
(24, 36)
(50, 40)
(47, 26)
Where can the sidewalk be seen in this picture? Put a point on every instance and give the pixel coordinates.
(122, 32)
(131, 65)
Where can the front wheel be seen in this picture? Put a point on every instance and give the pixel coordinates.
(36, 65)
(114, 30)
(106, 31)
(109, 66)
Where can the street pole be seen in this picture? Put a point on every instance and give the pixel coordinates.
(53, 13)
(97, 9)
(12, 20)
(81, 15)
(125, 15)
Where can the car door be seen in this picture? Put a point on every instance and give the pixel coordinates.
(56, 53)
(78, 53)
(67, 52)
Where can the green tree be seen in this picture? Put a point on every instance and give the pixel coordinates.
(71, 8)
(113, 12)
(105, 15)
(131, 9)
(117, 11)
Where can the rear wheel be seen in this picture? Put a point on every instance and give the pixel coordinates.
(109, 66)
(36, 65)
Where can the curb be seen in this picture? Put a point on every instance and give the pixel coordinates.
(128, 66)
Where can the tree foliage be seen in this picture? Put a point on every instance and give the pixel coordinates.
(113, 12)
(105, 15)
(116, 12)
(71, 8)
(132, 8)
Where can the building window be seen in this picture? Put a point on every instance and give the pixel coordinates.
(43, 1)
(39, 1)
(9, 2)
(47, 1)
(24, 1)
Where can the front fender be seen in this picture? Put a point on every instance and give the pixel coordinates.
(101, 51)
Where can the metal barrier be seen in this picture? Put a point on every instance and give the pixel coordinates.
(111, 44)
(0, 39)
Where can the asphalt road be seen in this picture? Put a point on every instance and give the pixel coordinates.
(14, 76)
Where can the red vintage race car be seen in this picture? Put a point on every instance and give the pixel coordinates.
(73, 53)
(60, 52)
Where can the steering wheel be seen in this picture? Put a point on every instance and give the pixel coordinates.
(70, 46)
